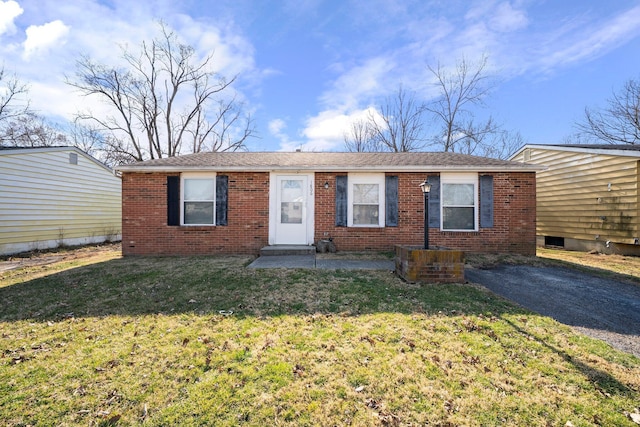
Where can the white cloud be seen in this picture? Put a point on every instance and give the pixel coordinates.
(587, 42)
(232, 52)
(99, 30)
(360, 83)
(325, 131)
(498, 16)
(9, 11)
(506, 18)
(55, 99)
(42, 37)
(477, 31)
(276, 127)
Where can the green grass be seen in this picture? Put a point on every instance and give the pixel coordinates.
(142, 341)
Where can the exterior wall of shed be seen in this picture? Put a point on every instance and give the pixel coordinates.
(48, 202)
(590, 200)
(145, 230)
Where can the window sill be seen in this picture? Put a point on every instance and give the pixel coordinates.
(460, 232)
(196, 227)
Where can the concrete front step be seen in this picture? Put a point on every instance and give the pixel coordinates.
(287, 250)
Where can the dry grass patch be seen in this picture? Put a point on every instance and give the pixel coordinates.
(143, 341)
(628, 266)
(618, 266)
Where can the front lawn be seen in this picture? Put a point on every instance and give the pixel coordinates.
(205, 341)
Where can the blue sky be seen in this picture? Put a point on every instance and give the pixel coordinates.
(307, 68)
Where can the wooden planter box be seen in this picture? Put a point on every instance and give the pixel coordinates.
(415, 264)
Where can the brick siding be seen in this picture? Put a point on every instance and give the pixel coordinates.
(145, 230)
(144, 218)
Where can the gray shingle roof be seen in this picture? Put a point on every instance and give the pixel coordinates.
(326, 161)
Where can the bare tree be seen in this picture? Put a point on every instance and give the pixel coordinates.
(32, 130)
(227, 131)
(459, 91)
(164, 102)
(360, 137)
(400, 124)
(505, 144)
(88, 139)
(619, 121)
(13, 104)
(578, 138)
(397, 126)
(95, 142)
(490, 140)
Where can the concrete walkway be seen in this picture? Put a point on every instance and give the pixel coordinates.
(310, 261)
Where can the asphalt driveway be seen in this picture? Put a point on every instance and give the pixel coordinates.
(599, 307)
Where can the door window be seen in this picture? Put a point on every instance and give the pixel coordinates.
(292, 198)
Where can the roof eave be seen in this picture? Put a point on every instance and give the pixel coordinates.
(30, 150)
(559, 147)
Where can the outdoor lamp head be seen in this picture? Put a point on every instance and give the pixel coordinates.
(425, 186)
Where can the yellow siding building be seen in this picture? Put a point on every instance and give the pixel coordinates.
(54, 196)
(587, 196)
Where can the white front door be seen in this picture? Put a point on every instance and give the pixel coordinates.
(291, 209)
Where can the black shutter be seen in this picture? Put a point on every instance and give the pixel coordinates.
(222, 186)
(341, 200)
(173, 200)
(434, 201)
(486, 201)
(391, 200)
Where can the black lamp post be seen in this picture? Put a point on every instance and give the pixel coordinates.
(426, 188)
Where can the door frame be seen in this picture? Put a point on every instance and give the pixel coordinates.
(273, 204)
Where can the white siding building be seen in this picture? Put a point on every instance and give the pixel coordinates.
(54, 196)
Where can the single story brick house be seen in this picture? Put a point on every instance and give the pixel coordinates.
(237, 203)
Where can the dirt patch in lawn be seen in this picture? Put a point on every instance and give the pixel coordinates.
(40, 258)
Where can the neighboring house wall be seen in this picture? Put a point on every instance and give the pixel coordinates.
(145, 212)
(586, 199)
(56, 196)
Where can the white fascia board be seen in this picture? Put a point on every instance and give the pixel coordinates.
(612, 152)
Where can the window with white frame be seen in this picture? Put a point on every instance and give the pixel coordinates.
(366, 200)
(459, 202)
(198, 199)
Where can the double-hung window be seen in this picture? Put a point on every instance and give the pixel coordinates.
(459, 202)
(366, 200)
(198, 199)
